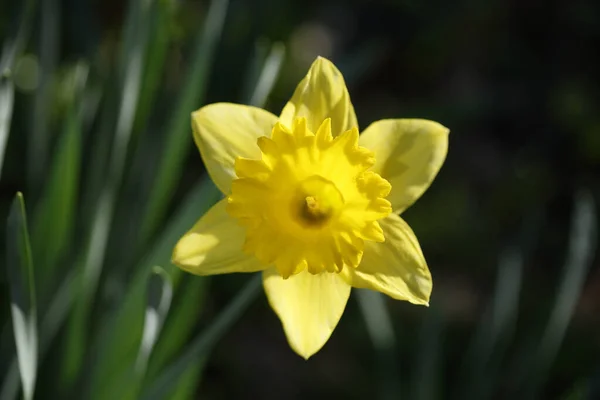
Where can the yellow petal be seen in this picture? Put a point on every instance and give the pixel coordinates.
(223, 131)
(214, 246)
(396, 267)
(309, 306)
(321, 94)
(408, 154)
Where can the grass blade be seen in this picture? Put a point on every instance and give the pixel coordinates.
(379, 326)
(427, 380)
(7, 96)
(12, 47)
(10, 386)
(493, 330)
(268, 75)
(53, 319)
(176, 334)
(114, 352)
(155, 62)
(102, 219)
(55, 215)
(48, 42)
(179, 137)
(160, 293)
(582, 246)
(199, 348)
(22, 292)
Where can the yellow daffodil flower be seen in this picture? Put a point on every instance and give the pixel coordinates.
(312, 204)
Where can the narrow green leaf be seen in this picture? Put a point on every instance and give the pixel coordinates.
(201, 345)
(485, 351)
(96, 248)
(11, 383)
(268, 76)
(11, 49)
(7, 94)
(178, 328)
(427, 378)
(55, 214)
(178, 136)
(582, 246)
(379, 326)
(117, 348)
(155, 61)
(51, 322)
(22, 293)
(39, 139)
(159, 292)
(159, 295)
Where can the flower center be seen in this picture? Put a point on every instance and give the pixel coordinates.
(319, 200)
(310, 201)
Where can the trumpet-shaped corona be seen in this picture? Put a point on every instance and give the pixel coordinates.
(310, 202)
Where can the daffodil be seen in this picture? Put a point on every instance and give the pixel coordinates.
(312, 204)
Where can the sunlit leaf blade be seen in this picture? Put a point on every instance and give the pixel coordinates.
(582, 247)
(55, 215)
(52, 320)
(159, 295)
(178, 327)
(7, 94)
(10, 50)
(159, 292)
(22, 294)
(268, 75)
(162, 386)
(117, 348)
(179, 137)
(102, 218)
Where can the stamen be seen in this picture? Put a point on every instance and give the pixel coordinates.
(313, 213)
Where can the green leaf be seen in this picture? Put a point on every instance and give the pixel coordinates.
(159, 295)
(22, 294)
(117, 349)
(96, 247)
(155, 62)
(427, 377)
(11, 49)
(268, 75)
(200, 347)
(159, 292)
(179, 137)
(177, 331)
(379, 326)
(582, 247)
(55, 215)
(39, 136)
(7, 95)
(483, 357)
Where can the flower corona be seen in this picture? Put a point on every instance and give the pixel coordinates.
(310, 201)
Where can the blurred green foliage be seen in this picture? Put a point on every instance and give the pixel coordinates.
(95, 99)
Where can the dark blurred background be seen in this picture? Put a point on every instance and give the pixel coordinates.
(517, 84)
